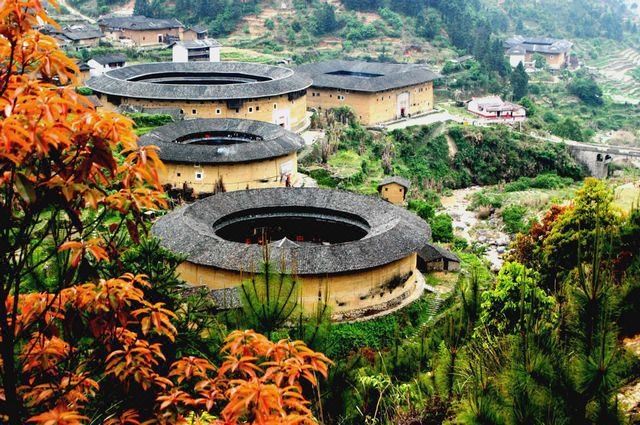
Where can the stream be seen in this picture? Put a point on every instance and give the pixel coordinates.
(466, 224)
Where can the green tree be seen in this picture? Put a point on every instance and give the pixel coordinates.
(587, 90)
(325, 19)
(569, 129)
(541, 61)
(503, 307)
(519, 82)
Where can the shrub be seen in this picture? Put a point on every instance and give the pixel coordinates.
(513, 218)
(424, 209)
(442, 228)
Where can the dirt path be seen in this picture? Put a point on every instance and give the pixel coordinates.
(75, 11)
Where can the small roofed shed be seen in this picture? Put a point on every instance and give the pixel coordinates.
(394, 189)
(433, 258)
(210, 155)
(357, 251)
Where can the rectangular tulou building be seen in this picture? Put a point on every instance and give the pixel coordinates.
(377, 92)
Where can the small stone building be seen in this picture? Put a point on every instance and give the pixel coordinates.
(209, 155)
(394, 189)
(432, 258)
(377, 92)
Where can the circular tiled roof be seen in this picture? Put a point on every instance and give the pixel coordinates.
(392, 233)
(237, 141)
(199, 81)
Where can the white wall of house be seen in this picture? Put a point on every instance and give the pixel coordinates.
(99, 69)
(181, 54)
(514, 60)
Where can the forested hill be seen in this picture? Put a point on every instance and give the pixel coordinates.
(461, 21)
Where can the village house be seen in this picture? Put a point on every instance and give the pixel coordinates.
(205, 50)
(494, 108)
(82, 36)
(196, 32)
(101, 64)
(377, 92)
(140, 30)
(523, 49)
(394, 189)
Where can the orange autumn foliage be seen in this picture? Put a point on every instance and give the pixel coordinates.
(73, 182)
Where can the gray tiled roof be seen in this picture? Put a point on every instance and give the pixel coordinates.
(199, 29)
(276, 141)
(117, 82)
(196, 44)
(538, 44)
(394, 233)
(388, 76)
(395, 179)
(82, 33)
(137, 22)
(109, 59)
(431, 252)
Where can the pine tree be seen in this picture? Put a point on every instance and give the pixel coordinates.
(519, 82)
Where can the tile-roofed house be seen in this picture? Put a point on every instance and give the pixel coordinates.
(140, 30)
(435, 258)
(394, 189)
(195, 32)
(103, 63)
(522, 49)
(83, 35)
(494, 108)
(207, 50)
(377, 92)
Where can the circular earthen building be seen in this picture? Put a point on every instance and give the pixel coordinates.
(357, 251)
(209, 90)
(228, 154)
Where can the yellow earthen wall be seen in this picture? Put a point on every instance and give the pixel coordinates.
(149, 37)
(393, 192)
(267, 109)
(237, 176)
(374, 108)
(346, 292)
(554, 61)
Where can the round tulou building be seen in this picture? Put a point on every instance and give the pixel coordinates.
(209, 90)
(358, 252)
(209, 155)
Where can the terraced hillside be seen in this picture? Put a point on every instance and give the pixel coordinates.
(614, 70)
